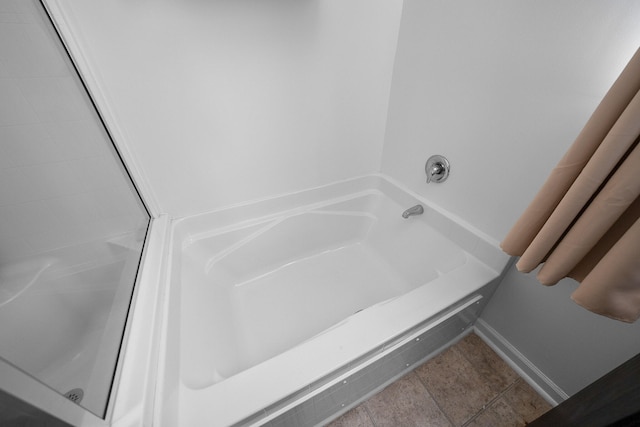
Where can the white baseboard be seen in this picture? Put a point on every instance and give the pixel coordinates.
(551, 392)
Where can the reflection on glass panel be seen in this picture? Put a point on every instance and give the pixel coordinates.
(72, 226)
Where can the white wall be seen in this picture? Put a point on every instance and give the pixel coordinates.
(570, 345)
(502, 88)
(228, 101)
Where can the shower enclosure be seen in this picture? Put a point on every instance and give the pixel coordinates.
(72, 225)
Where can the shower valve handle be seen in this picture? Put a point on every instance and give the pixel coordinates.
(437, 169)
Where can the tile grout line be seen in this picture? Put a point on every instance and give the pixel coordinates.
(434, 399)
(373, 422)
(520, 380)
(492, 401)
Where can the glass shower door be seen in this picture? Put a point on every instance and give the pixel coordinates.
(72, 225)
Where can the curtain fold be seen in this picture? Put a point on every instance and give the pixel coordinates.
(585, 216)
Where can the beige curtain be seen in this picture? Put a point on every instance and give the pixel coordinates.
(584, 223)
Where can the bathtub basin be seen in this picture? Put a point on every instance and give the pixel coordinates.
(275, 302)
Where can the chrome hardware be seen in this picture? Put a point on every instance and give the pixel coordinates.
(414, 210)
(437, 169)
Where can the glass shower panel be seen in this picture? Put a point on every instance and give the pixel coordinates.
(72, 226)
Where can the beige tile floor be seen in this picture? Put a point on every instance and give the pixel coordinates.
(466, 385)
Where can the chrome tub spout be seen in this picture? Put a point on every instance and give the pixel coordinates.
(414, 210)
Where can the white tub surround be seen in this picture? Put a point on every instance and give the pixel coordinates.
(272, 302)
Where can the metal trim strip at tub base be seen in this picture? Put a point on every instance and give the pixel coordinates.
(348, 386)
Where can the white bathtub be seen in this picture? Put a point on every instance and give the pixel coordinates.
(273, 303)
